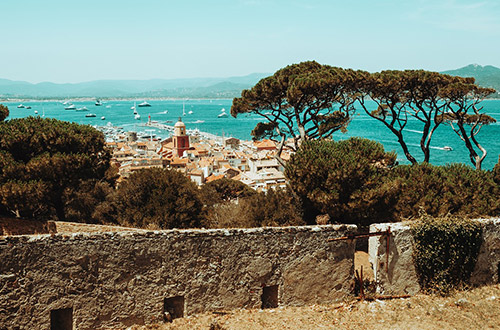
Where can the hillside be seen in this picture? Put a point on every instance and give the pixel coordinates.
(486, 76)
(176, 88)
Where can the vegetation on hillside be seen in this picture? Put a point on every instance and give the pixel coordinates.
(42, 160)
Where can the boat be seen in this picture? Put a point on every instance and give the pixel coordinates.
(137, 116)
(135, 112)
(190, 112)
(103, 118)
(28, 107)
(70, 107)
(447, 148)
(144, 104)
(222, 113)
(199, 121)
(82, 109)
(108, 107)
(36, 112)
(183, 109)
(98, 103)
(20, 106)
(133, 108)
(90, 115)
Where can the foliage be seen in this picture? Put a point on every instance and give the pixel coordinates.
(496, 172)
(463, 110)
(53, 155)
(224, 190)
(445, 251)
(405, 95)
(274, 208)
(158, 198)
(342, 179)
(439, 190)
(301, 101)
(4, 112)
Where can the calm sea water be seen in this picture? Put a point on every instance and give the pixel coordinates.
(205, 113)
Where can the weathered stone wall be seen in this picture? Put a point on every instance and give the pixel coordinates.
(400, 277)
(119, 279)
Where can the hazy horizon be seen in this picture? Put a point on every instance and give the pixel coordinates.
(80, 41)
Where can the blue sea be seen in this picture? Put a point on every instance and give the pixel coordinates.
(203, 115)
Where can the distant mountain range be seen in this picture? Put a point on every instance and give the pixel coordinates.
(175, 88)
(486, 76)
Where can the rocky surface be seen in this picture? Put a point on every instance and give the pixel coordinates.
(122, 278)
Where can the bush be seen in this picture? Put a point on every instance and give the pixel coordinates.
(445, 251)
(345, 180)
(158, 198)
(439, 190)
(274, 208)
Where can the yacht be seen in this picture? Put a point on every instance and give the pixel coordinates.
(448, 148)
(28, 107)
(137, 116)
(98, 103)
(82, 109)
(222, 113)
(70, 107)
(20, 106)
(144, 104)
(90, 115)
(103, 118)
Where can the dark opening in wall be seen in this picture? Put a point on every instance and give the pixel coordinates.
(61, 319)
(173, 308)
(269, 297)
(498, 273)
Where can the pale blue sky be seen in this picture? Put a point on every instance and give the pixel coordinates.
(74, 41)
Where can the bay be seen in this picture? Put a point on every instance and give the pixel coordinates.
(204, 115)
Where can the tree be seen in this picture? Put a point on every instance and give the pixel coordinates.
(224, 190)
(158, 198)
(402, 95)
(301, 101)
(4, 112)
(342, 179)
(48, 156)
(462, 100)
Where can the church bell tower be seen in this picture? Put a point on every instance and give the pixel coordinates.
(181, 140)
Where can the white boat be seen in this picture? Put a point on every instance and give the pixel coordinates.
(190, 112)
(133, 108)
(447, 148)
(70, 107)
(98, 103)
(103, 118)
(199, 121)
(90, 115)
(108, 107)
(20, 106)
(36, 112)
(183, 109)
(144, 104)
(82, 109)
(137, 116)
(222, 113)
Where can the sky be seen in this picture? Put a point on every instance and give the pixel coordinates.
(68, 41)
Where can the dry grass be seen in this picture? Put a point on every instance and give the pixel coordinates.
(475, 309)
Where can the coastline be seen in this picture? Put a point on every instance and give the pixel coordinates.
(93, 99)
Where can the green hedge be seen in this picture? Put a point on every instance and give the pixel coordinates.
(445, 251)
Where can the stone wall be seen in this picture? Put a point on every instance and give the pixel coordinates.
(114, 280)
(400, 277)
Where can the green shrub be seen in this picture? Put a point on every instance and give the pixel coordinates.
(445, 251)
(439, 190)
(344, 179)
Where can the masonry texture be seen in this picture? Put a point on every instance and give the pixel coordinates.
(398, 275)
(114, 280)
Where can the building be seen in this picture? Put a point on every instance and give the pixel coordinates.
(180, 138)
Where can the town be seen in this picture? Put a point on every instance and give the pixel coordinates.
(201, 156)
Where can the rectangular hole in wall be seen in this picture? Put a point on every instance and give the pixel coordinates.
(61, 319)
(173, 308)
(269, 297)
(498, 273)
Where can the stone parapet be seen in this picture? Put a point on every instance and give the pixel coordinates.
(114, 280)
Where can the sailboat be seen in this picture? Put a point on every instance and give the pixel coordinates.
(222, 113)
(183, 109)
